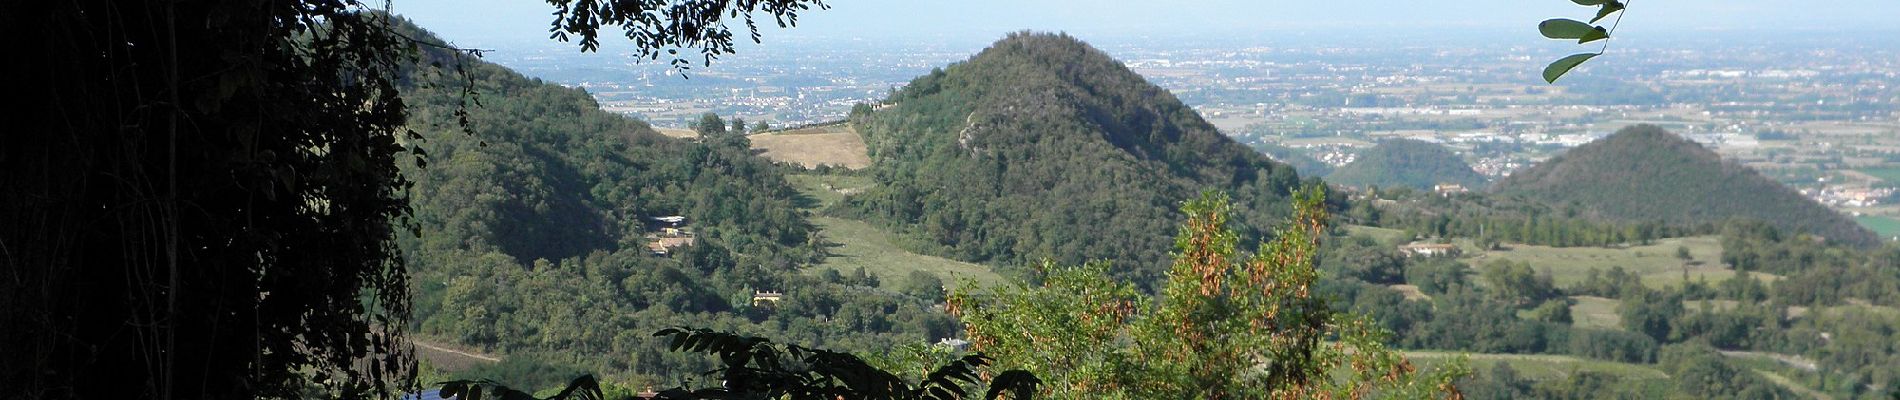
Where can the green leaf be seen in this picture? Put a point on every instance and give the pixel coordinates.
(1595, 34)
(1589, 2)
(1608, 8)
(1564, 28)
(1563, 65)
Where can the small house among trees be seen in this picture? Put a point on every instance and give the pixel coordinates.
(766, 297)
(672, 234)
(661, 246)
(1430, 250)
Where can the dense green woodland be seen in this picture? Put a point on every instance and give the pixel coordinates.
(1041, 147)
(1408, 163)
(531, 240)
(1643, 173)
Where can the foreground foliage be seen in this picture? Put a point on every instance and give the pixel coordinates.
(1225, 325)
(757, 368)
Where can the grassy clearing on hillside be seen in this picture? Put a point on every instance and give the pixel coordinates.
(1411, 292)
(858, 244)
(836, 145)
(1595, 312)
(826, 190)
(1654, 383)
(1383, 235)
(1858, 306)
(1792, 386)
(1545, 367)
(1887, 227)
(677, 132)
(1656, 263)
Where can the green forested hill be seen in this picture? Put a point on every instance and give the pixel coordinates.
(1041, 147)
(1644, 173)
(1409, 163)
(532, 240)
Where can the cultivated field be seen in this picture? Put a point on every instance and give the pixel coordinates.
(1383, 235)
(1656, 263)
(1595, 312)
(835, 145)
(1885, 174)
(1550, 367)
(1887, 227)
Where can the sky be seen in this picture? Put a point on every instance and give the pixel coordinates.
(488, 22)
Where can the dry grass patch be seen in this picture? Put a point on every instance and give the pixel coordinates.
(677, 132)
(1411, 292)
(835, 145)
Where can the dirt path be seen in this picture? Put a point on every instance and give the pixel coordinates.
(426, 345)
(1800, 362)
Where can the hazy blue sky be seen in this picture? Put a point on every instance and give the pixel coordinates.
(478, 22)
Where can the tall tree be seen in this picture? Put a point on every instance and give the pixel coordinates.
(207, 201)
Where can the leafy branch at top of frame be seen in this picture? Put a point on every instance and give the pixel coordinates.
(1582, 32)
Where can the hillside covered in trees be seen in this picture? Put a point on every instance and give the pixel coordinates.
(1409, 163)
(1042, 147)
(534, 232)
(1644, 173)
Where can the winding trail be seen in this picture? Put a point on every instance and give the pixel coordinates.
(429, 346)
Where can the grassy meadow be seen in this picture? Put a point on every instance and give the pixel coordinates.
(836, 145)
(855, 244)
(1656, 263)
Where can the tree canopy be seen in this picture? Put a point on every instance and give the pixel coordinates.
(1044, 147)
(210, 200)
(1226, 324)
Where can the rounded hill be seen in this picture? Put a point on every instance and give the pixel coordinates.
(1409, 163)
(1042, 147)
(1644, 173)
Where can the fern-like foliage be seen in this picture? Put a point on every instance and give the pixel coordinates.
(756, 368)
(583, 388)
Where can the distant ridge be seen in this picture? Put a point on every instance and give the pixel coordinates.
(1301, 162)
(1643, 173)
(1409, 163)
(1042, 147)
